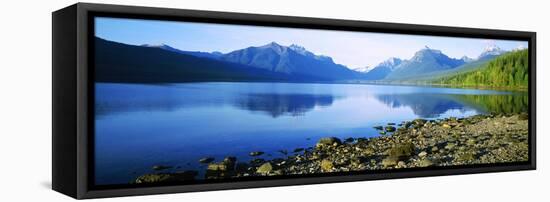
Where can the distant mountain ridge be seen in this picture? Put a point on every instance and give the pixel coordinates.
(118, 62)
(297, 62)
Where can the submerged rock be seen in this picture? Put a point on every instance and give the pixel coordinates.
(206, 160)
(390, 129)
(228, 164)
(285, 152)
(256, 153)
(161, 167)
(167, 177)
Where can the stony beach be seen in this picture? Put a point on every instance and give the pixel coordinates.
(479, 139)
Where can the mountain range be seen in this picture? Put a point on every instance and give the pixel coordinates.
(117, 62)
(273, 57)
(428, 63)
(122, 63)
(292, 60)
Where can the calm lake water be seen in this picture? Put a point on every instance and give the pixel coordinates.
(139, 126)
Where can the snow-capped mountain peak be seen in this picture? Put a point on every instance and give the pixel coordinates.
(297, 48)
(391, 62)
(363, 69)
(520, 47)
(467, 59)
(491, 51)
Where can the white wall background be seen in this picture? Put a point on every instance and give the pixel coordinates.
(25, 99)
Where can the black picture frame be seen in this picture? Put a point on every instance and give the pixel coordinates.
(73, 97)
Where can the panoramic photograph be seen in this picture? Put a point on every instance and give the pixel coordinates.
(186, 102)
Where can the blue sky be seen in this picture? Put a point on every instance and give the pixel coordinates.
(353, 49)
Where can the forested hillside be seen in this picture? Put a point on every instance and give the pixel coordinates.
(508, 71)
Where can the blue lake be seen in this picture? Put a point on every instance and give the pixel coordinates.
(139, 125)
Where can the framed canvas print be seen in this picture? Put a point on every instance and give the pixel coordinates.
(153, 100)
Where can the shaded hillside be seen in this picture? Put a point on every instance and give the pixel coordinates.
(467, 67)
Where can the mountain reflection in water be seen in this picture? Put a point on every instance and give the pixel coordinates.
(277, 105)
(433, 105)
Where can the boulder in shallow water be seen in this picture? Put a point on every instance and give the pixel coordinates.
(328, 141)
(390, 129)
(349, 140)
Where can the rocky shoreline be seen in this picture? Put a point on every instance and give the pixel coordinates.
(479, 139)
